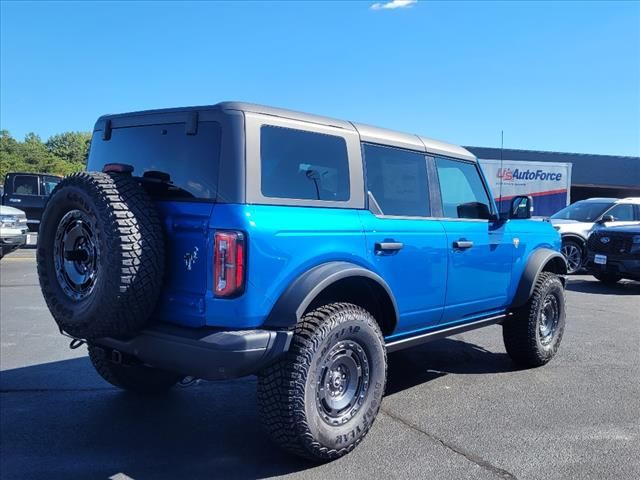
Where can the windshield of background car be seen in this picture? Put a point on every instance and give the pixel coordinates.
(583, 211)
(191, 161)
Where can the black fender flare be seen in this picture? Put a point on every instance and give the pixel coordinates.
(293, 302)
(537, 262)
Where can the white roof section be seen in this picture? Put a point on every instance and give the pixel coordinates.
(367, 133)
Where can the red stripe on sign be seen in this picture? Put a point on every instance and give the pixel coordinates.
(536, 194)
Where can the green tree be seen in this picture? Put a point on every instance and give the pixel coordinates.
(36, 155)
(62, 154)
(10, 154)
(70, 146)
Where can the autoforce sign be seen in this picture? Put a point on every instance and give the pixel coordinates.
(548, 183)
(506, 174)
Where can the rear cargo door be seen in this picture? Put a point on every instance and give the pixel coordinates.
(188, 262)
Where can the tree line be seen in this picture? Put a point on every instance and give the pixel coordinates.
(61, 154)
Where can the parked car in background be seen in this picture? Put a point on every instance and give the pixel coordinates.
(578, 219)
(613, 253)
(13, 229)
(29, 192)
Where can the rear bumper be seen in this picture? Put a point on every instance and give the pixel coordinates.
(210, 354)
(623, 266)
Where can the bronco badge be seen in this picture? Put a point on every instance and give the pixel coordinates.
(190, 258)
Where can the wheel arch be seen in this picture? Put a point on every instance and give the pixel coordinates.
(541, 260)
(575, 237)
(335, 282)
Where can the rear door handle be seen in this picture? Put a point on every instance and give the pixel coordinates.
(387, 248)
(462, 244)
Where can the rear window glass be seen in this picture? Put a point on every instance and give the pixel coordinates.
(25, 185)
(191, 161)
(303, 165)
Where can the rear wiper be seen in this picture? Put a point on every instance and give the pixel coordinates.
(157, 175)
(159, 183)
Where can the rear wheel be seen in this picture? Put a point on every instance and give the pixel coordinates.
(321, 399)
(532, 336)
(608, 278)
(574, 255)
(134, 377)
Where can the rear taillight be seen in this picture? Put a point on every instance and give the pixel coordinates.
(228, 263)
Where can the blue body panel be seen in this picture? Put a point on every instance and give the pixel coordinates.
(433, 284)
(417, 274)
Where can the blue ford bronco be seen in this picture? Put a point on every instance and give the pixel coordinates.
(229, 240)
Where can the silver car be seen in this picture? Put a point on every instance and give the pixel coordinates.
(576, 221)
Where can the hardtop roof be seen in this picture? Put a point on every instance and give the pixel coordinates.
(367, 133)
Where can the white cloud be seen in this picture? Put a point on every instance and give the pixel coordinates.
(393, 4)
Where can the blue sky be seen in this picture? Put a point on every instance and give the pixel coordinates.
(554, 76)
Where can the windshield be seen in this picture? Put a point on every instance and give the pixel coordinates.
(583, 211)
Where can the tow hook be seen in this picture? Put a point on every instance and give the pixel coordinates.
(116, 356)
(75, 342)
(188, 381)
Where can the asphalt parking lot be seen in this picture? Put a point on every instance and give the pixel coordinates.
(454, 409)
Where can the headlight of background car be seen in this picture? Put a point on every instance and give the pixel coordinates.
(635, 244)
(8, 221)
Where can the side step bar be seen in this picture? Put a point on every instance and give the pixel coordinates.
(402, 343)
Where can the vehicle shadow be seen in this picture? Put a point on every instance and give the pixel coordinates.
(592, 285)
(60, 420)
(418, 365)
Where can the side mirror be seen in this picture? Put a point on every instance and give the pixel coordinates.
(606, 219)
(521, 207)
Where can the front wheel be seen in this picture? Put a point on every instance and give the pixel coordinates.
(320, 400)
(574, 255)
(533, 334)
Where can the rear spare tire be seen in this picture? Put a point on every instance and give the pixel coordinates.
(100, 255)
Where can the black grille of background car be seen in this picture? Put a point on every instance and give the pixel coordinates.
(617, 243)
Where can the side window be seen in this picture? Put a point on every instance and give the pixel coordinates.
(397, 179)
(48, 184)
(463, 194)
(303, 165)
(622, 212)
(25, 185)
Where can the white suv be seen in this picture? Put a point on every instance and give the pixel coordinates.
(576, 221)
(13, 229)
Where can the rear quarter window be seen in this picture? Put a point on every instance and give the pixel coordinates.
(303, 165)
(191, 161)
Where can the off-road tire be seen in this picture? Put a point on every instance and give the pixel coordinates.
(133, 377)
(129, 242)
(522, 332)
(288, 390)
(608, 278)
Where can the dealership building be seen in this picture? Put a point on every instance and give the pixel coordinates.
(591, 175)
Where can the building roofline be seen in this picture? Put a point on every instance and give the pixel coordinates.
(548, 152)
